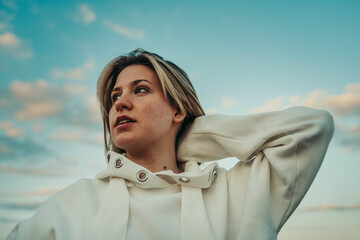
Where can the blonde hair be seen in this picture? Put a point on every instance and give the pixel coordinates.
(175, 83)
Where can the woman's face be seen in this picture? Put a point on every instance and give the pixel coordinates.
(140, 117)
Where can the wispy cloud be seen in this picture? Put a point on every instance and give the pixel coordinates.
(125, 31)
(36, 99)
(9, 39)
(349, 136)
(344, 104)
(36, 170)
(39, 192)
(32, 102)
(331, 207)
(12, 45)
(14, 149)
(64, 135)
(228, 102)
(211, 111)
(10, 130)
(75, 89)
(10, 4)
(84, 14)
(5, 21)
(14, 132)
(79, 73)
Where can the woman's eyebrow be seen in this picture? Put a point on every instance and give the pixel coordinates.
(140, 80)
(133, 83)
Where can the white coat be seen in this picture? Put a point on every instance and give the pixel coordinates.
(279, 155)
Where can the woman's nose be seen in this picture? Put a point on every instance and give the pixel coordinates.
(123, 102)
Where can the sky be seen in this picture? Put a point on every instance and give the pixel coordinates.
(243, 57)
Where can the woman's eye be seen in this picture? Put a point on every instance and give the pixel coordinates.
(115, 97)
(141, 90)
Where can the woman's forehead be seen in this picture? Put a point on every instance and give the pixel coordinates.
(136, 73)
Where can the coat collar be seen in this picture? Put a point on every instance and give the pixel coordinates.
(122, 167)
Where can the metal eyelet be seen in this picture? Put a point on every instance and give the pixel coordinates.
(214, 172)
(184, 179)
(119, 162)
(142, 176)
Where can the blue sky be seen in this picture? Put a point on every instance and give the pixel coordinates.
(242, 56)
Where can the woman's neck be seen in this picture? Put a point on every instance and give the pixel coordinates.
(155, 159)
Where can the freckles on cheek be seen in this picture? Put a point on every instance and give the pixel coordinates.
(154, 113)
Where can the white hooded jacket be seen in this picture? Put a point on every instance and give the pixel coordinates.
(279, 155)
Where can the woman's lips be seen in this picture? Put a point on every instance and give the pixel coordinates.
(123, 120)
(124, 126)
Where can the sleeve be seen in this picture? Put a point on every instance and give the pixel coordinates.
(288, 146)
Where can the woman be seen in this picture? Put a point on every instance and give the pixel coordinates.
(153, 187)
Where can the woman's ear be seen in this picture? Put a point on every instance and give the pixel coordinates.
(179, 116)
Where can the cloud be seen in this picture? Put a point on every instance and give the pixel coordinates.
(5, 21)
(125, 31)
(64, 136)
(344, 104)
(36, 99)
(228, 102)
(4, 103)
(37, 128)
(12, 45)
(38, 110)
(9, 40)
(84, 14)
(17, 206)
(37, 193)
(79, 73)
(87, 15)
(75, 89)
(10, 4)
(93, 108)
(14, 132)
(329, 207)
(6, 125)
(70, 104)
(272, 105)
(36, 170)
(10, 130)
(211, 111)
(15, 149)
(29, 90)
(349, 136)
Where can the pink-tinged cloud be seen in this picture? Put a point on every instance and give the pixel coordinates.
(75, 89)
(10, 130)
(30, 90)
(6, 125)
(329, 207)
(12, 45)
(344, 104)
(36, 99)
(79, 73)
(38, 110)
(10, 40)
(37, 128)
(14, 132)
(64, 136)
